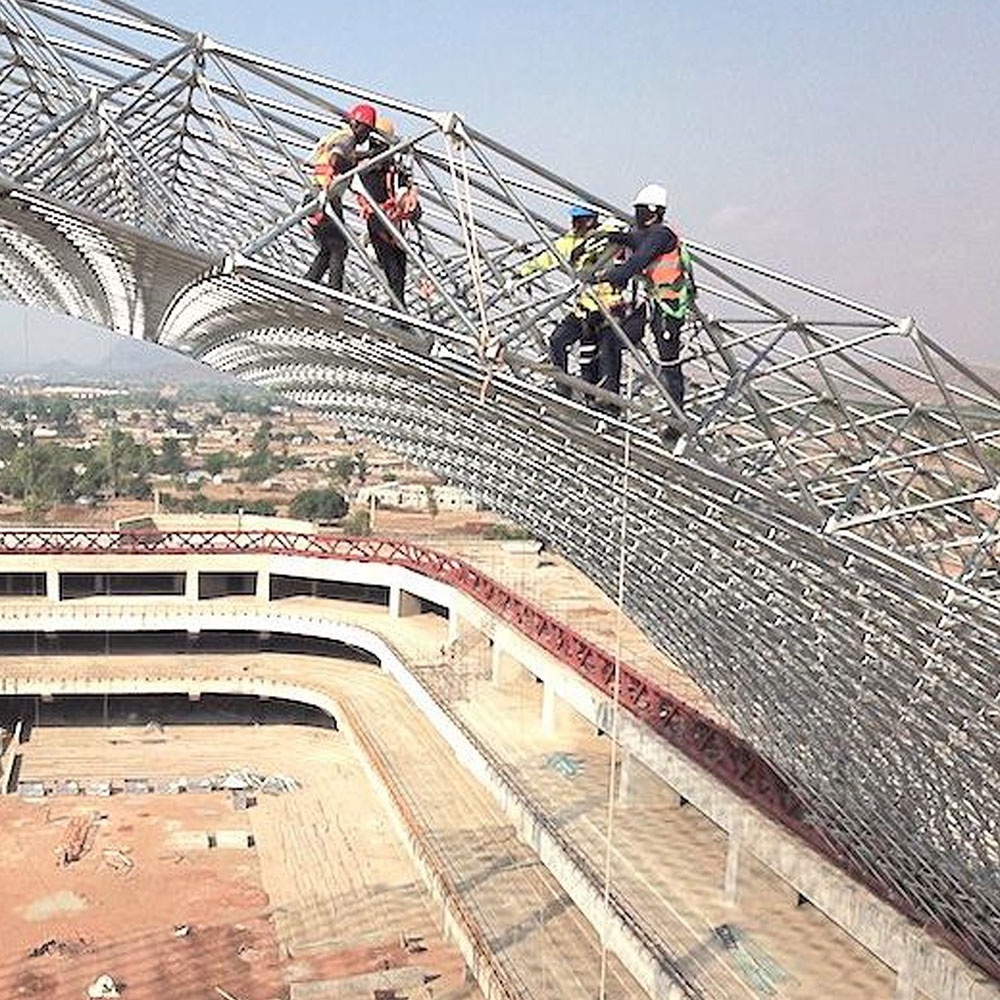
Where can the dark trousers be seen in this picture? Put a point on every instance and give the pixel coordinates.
(392, 259)
(667, 335)
(588, 331)
(332, 250)
(609, 349)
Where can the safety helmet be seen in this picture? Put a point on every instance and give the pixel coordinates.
(363, 113)
(581, 212)
(652, 196)
(385, 126)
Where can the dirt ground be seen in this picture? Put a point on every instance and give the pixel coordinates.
(105, 915)
(415, 525)
(323, 893)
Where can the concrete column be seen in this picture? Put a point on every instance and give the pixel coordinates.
(263, 587)
(730, 888)
(548, 709)
(52, 584)
(496, 661)
(191, 585)
(401, 603)
(505, 670)
(906, 987)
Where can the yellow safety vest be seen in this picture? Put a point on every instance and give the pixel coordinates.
(595, 296)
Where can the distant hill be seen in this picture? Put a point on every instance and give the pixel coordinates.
(56, 348)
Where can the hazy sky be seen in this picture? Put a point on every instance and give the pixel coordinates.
(855, 144)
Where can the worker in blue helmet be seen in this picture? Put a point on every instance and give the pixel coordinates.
(584, 323)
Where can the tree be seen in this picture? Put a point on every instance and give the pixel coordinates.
(120, 466)
(218, 461)
(318, 505)
(8, 445)
(343, 468)
(63, 416)
(432, 500)
(40, 474)
(260, 463)
(358, 523)
(171, 460)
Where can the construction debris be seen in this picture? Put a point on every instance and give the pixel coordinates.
(411, 943)
(103, 987)
(76, 843)
(117, 860)
(55, 946)
(272, 784)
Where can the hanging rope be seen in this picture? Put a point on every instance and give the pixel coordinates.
(467, 222)
(615, 696)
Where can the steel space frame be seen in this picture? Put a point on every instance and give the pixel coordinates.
(818, 548)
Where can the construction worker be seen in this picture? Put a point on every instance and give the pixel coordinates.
(661, 269)
(581, 247)
(334, 155)
(390, 185)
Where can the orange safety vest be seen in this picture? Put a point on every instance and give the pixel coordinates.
(669, 274)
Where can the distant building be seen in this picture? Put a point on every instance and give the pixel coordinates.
(417, 496)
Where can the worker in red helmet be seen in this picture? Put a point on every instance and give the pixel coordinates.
(334, 154)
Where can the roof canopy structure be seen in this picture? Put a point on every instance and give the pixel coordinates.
(819, 549)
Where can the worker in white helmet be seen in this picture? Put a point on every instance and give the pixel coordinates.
(660, 267)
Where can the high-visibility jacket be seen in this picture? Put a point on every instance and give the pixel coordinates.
(669, 277)
(580, 251)
(332, 155)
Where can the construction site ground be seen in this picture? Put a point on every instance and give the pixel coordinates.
(322, 874)
(336, 885)
(325, 894)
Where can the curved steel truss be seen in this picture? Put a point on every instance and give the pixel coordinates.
(819, 547)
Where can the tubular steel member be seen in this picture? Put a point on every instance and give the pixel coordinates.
(836, 465)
